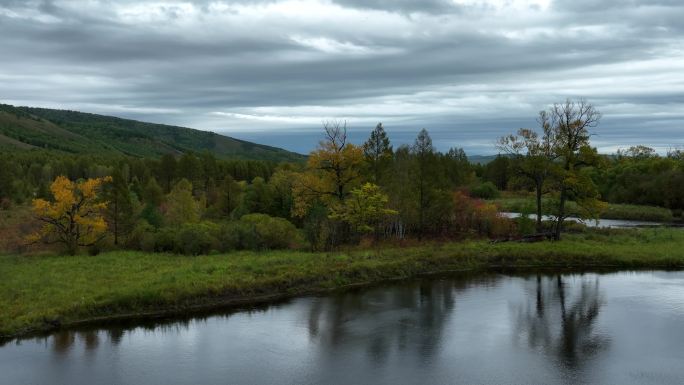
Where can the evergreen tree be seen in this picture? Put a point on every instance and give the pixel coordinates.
(167, 171)
(423, 151)
(119, 214)
(377, 152)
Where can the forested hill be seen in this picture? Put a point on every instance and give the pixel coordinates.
(25, 128)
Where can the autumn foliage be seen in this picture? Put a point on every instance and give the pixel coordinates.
(74, 217)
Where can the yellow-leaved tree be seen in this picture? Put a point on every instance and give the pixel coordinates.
(365, 209)
(332, 171)
(74, 217)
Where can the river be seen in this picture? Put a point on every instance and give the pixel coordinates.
(614, 328)
(615, 223)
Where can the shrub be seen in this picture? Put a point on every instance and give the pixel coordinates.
(165, 239)
(229, 236)
(476, 215)
(486, 190)
(196, 238)
(271, 233)
(142, 237)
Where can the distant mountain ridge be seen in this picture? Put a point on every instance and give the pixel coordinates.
(27, 128)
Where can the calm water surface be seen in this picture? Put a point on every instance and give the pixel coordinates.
(618, 328)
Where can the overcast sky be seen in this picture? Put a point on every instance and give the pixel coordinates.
(272, 71)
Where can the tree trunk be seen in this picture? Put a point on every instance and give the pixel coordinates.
(561, 215)
(539, 186)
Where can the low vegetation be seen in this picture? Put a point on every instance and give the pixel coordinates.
(41, 292)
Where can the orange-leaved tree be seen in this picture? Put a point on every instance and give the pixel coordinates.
(75, 216)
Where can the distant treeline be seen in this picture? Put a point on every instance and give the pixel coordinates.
(637, 175)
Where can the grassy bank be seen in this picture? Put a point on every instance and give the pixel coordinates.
(613, 211)
(37, 293)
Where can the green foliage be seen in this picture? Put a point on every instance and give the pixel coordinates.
(486, 190)
(272, 233)
(36, 289)
(612, 211)
(181, 205)
(498, 171)
(120, 212)
(377, 152)
(77, 132)
(196, 238)
(365, 209)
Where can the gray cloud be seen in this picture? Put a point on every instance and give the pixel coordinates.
(468, 71)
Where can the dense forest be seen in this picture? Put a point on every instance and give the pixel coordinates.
(343, 194)
(63, 131)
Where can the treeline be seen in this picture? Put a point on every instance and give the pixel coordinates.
(28, 175)
(344, 193)
(197, 203)
(637, 175)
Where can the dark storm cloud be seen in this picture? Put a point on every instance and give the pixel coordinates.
(467, 70)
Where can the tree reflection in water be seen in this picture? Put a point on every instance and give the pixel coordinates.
(410, 317)
(562, 319)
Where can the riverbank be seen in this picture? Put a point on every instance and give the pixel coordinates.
(522, 204)
(40, 293)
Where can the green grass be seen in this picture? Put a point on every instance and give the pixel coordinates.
(36, 291)
(613, 211)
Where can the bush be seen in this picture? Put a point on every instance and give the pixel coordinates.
(251, 232)
(142, 237)
(196, 238)
(188, 239)
(165, 239)
(230, 235)
(486, 190)
(270, 232)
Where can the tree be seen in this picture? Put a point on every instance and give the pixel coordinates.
(332, 170)
(423, 151)
(377, 152)
(119, 213)
(153, 194)
(75, 215)
(365, 209)
(190, 168)
(638, 152)
(258, 197)
(281, 184)
(6, 189)
(182, 206)
(498, 171)
(230, 195)
(457, 167)
(569, 124)
(167, 170)
(533, 158)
